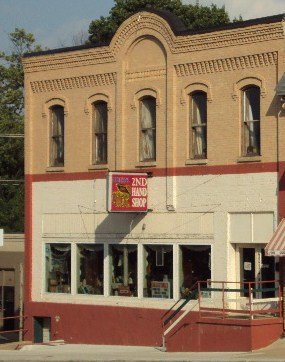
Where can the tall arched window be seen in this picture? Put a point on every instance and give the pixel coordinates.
(251, 121)
(148, 129)
(57, 136)
(100, 139)
(198, 136)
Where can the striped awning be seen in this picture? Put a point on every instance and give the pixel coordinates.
(276, 245)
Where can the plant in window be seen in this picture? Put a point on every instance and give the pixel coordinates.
(57, 136)
(100, 132)
(199, 124)
(148, 129)
(251, 121)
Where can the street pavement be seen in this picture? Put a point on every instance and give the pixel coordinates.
(64, 352)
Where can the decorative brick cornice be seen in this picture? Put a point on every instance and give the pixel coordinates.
(73, 82)
(226, 64)
(67, 60)
(150, 24)
(145, 22)
(148, 73)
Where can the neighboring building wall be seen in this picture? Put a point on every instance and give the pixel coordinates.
(11, 267)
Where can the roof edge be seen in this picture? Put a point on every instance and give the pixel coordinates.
(176, 25)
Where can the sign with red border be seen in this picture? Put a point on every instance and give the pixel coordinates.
(127, 192)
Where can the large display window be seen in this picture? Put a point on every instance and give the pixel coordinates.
(195, 266)
(90, 269)
(58, 268)
(123, 270)
(157, 271)
(158, 280)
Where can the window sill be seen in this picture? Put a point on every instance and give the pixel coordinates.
(98, 167)
(146, 164)
(197, 161)
(55, 169)
(249, 159)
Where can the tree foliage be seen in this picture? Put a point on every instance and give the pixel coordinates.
(12, 123)
(194, 16)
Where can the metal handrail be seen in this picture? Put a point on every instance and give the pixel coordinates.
(14, 330)
(186, 301)
(249, 287)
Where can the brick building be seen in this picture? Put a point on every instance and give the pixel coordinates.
(196, 111)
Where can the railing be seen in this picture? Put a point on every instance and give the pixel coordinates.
(226, 300)
(19, 330)
(240, 299)
(180, 304)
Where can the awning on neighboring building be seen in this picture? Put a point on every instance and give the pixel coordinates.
(276, 245)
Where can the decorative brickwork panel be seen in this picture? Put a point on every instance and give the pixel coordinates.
(226, 64)
(73, 82)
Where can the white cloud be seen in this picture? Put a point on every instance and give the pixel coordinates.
(248, 9)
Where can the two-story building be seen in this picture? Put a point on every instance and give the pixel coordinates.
(197, 112)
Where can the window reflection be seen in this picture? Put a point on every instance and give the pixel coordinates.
(158, 281)
(195, 266)
(58, 268)
(90, 269)
(124, 270)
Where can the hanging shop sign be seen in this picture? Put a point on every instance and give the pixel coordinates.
(127, 192)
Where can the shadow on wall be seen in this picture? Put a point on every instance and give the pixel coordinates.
(120, 224)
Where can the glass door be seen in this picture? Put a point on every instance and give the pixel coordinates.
(256, 267)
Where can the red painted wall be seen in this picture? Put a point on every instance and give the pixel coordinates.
(229, 335)
(98, 324)
(89, 324)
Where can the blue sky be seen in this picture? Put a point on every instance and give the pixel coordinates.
(55, 22)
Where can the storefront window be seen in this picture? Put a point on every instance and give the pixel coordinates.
(58, 268)
(195, 266)
(124, 270)
(158, 281)
(90, 269)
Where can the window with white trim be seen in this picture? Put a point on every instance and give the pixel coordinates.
(198, 129)
(58, 268)
(90, 259)
(148, 129)
(57, 136)
(124, 270)
(251, 121)
(100, 139)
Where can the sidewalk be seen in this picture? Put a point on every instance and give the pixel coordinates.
(65, 352)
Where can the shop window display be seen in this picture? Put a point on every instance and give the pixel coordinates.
(158, 281)
(123, 270)
(58, 268)
(195, 266)
(90, 269)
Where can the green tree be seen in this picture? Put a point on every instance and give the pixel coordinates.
(194, 16)
(12, 125)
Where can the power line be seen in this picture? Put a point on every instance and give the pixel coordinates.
(12, 135)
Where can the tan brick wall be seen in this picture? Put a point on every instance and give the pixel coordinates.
(146, 56)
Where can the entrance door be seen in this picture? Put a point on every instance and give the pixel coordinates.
(256, 267)
(7, 298)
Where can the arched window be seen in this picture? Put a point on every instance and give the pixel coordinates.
(148, 129)
(198, 122)
(57, 136)
(100, 139)
(251, 121)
